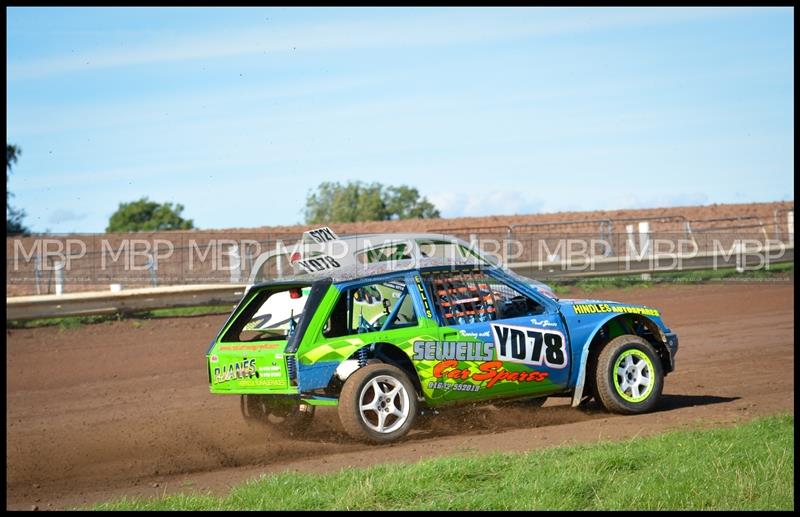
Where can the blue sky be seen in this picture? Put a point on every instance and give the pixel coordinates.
(237, 113)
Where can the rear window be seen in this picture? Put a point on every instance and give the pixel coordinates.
(273, 314)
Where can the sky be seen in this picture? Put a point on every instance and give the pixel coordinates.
(237, 113)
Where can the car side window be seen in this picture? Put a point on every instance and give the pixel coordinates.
(464, 297)
(372, 307)
(389, 253)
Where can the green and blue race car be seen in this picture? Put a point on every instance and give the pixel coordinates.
(384, 341)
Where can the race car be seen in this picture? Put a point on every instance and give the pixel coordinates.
(384, 341)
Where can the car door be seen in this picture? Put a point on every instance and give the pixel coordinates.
(380, 311)
(495, 339)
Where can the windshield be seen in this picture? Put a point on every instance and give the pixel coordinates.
(535, 284)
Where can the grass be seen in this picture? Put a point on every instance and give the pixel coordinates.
(750, 466)
(71, 322)
(775, 272)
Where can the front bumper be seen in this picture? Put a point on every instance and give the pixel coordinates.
(672, 349)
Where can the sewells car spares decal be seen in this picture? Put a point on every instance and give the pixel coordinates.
(460, 350)
(531, 346)
(490, 371)
(450, 355)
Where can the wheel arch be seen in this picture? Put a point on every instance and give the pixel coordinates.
(381, 352)
(636, 324)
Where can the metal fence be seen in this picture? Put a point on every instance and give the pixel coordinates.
(57, 264)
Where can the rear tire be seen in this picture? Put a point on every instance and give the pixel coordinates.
(378, 404)
(628, 376)
(287, 417)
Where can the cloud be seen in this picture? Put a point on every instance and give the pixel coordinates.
(441, 28)
(63, 215)
(496, 202)
(664, 200)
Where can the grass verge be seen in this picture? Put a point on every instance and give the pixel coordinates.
(70, 322)
(750, 466)
(775, 272)
(561, 287)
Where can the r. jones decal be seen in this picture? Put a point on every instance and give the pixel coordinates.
(525, 345)
(243, 369)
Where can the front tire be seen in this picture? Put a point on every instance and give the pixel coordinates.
(378, 404)
(629, 376)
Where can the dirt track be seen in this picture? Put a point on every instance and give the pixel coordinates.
(115, 409)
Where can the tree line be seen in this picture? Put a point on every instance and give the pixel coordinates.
(330, 202)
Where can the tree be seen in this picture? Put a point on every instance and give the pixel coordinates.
(145, 215)
(357, 201)
(14, 216)
(404, 203)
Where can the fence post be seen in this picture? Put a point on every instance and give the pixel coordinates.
(644, 238)
(631, 242)
(278, 261)
(739, 256)
(644, 244)
(507, 246)
(37, 273)
(58, 269)
(606, 235)
(790, 226)
(152, 266)
(236, 264)
(603, 237)
(690, 234)
(248, 259)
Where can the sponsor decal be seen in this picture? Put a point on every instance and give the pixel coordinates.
(253, 382)
(459, 350)
(247, 347)
(490, 372)
(425, 304)
(594, 308)
(543, 323)
(464, 333)
(270, 371)
(531, 346)
(452, 386)
(320, 263)
(321, 235)
(244, 369)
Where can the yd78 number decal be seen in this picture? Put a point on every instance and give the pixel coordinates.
(530, 346)
(320, 263)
